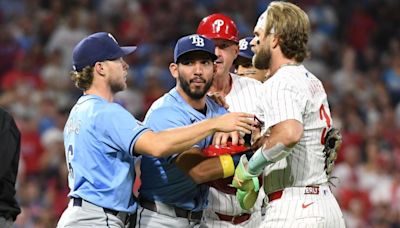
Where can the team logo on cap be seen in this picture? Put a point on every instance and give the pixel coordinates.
(243, 44)
(218, 24)
(197, 40)
(111, 36)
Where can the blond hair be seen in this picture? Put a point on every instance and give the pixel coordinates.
(291, 25)
(82, 79)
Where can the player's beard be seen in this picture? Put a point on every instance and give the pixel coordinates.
(116, 86)
(262, 60)
(196, 93)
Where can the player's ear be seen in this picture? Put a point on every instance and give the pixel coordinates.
(99, 68)
(236, 50)
(173, 68)
(274, 41)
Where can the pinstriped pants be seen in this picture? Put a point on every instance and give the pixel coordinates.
(299, 210)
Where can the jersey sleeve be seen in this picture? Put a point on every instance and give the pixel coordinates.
(121, 129)
(282, 101)
(166, 118)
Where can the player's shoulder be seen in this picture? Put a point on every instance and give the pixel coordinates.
(165, 107)
(244, 80)
(214, 106)
(287, 77)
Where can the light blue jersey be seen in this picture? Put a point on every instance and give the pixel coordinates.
(161, 179)
(98, 139)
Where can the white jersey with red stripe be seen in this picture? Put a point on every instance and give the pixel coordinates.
(295, 93)
(241, 98)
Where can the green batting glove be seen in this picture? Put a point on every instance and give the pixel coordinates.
(242, 177)
(246, 199)
(247, 185)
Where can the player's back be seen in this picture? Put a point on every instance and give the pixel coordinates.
(97, 138)
(295, 93)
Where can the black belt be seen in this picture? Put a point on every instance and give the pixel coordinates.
(179, 212)
(78, 203)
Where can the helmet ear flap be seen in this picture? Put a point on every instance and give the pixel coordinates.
(218, 26)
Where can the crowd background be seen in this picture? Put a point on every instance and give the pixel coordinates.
(355, 51)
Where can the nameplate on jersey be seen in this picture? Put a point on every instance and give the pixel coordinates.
(311, 190)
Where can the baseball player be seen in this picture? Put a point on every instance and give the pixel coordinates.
(294, 104)
(223, 209)
(244, 62)
(101, 138)
(172, 193)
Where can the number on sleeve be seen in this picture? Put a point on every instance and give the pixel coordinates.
(323, 115)
(70, 154)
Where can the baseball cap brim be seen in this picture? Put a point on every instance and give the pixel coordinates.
(222, 37)
(128, 49)
(213, 56)
(246, 55)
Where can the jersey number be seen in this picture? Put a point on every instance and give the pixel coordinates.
(70, 154)
(323, 115)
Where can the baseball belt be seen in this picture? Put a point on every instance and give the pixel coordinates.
(123, 216)
(237, 219)
(179, 212)
(309, 190)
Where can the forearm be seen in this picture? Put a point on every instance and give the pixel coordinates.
(283, 137)
(172, 141)
(208, 170)
(180, 139)
(264, 157)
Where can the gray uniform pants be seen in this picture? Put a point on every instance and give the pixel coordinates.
(88, 215)
(150, 219)
(6, 223)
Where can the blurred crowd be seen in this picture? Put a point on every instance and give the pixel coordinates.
(355, 51)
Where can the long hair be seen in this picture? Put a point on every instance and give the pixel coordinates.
(82, 79)
(292, 27)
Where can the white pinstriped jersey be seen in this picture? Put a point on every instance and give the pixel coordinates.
(241, 98)
(295, 93)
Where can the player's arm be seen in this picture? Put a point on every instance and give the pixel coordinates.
(172, 141)
(285, 104)
(204, 169)
(283, 137)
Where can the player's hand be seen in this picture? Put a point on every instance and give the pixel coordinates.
(221, 138)
(218, 98)
(235, 121)
(259, 141)
(247, 185)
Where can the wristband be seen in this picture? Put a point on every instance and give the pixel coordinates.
(227, 165)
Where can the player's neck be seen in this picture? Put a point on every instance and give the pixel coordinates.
(101, 91)
(222, 84)
(198, 104)
(281, 62)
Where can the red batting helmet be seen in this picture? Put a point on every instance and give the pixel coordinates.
(218, 26)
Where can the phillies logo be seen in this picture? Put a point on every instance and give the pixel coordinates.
(217, 25)
(243, 44)
(197, 40)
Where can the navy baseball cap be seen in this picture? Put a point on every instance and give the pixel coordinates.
(98, 47)
(194, 42)
(245, 48)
